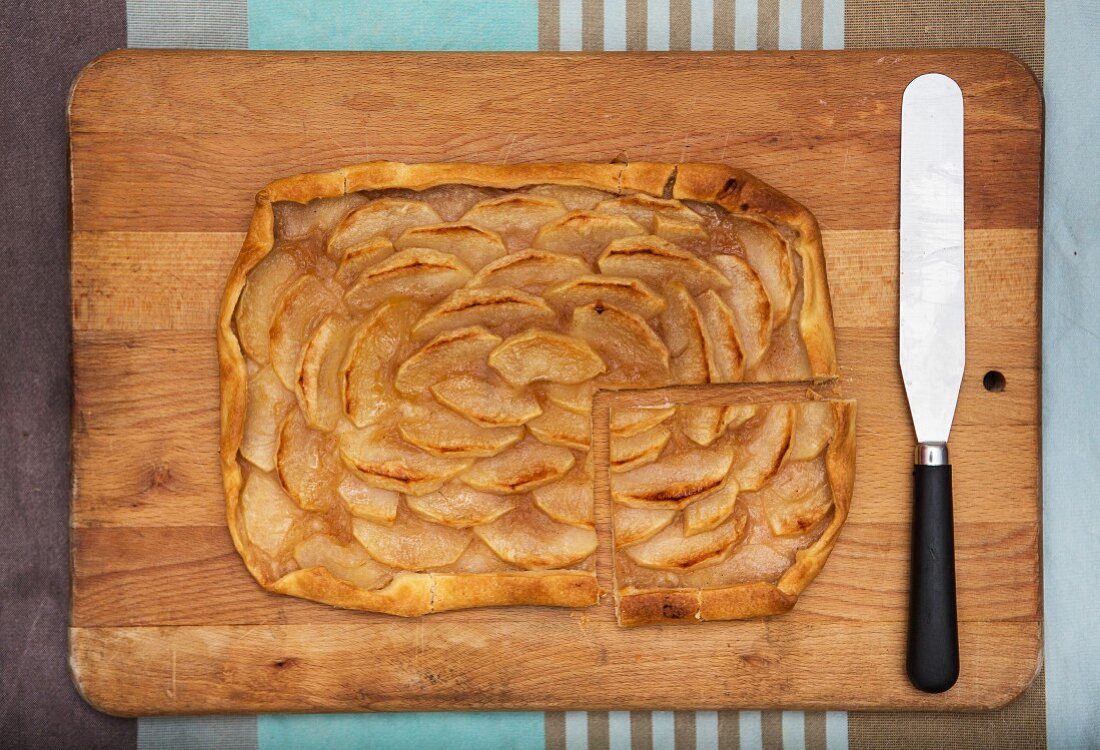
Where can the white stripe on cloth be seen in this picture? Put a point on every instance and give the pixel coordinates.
(744, 24)
(569, 25)
(832, 28)
(618, 730)
(614, 25)
(790, 24)
(702, 24)
(751, 729)
(663, 725)
(204, 24)
(576, 730)
(794, 730)
(706, 730)
(836, 730)
(657, 25)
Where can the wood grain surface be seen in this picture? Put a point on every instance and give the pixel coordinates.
(168, 150)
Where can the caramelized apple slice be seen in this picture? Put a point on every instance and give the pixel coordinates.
(530, 539)
(303, 306)
(411, 543)
(530, 270)
(569, 500)
(386, 216)
(632, 352)
(725, 363)
(674, 481)
(627, 422)
(711, 510)
(747, 299)
(458, 352)
(488, 403)
(645, 209)
(585, 233)
(705, 424)
(523, 467)
(515, 217)
(358, 259)
(504, 309)
(657, 261)
(349, 563)
(768, 254)
(456, 504)
(472, 245)
(576, 397)
(417, 273)
(558, 426)
(268, 402)
(814, 425)
(478, 558)
(633, 525)
(638, 450)
(542, 355)
(631, 295)
(364, 501)
(797, 498)
(441, 432)
(308, 464)
(256, 307)
(367, 368)
(319, 380)
(267, 512)
(670, 549)
(682, 329)
(747, 563)
(573, 197)
(760, 446)
(382, 460)
(683, 233)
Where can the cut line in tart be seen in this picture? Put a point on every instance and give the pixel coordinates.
(410, 357)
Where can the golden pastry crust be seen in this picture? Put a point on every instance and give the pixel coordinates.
(411, 594)
(760, 598)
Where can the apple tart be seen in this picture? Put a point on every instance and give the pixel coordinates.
(409, 355)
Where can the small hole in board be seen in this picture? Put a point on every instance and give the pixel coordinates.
(994, 381)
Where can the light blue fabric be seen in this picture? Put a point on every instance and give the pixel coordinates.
(385, 25)
(411, 731)
(1071, 356)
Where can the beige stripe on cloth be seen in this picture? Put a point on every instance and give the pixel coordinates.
(1013, 25)
(592, 25)
(679, 25)
(767, 24)
(641, 729)
(636, 25)
(554, 730)
(771, 728)
(815, 720)
(549, 27)
(812, 13)
(599, 733)
(724, 16)
(729, 730)
(684, 728)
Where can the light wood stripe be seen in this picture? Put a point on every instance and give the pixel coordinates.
(592, 25)
(641, 730)
(598, 730)
(815, 720)
(679, 36)
(636, 12)
(813, 12)
(725, 16)
(767, 24)
(729, 730)
(549, 26)
(771, 730)
(554, 724)
(685, 729)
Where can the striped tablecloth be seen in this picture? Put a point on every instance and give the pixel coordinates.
(1058, 40)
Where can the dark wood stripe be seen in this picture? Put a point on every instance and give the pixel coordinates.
(592, 25)
(724, 24)
(767, 24)
(554, 724)
(679, 25)
(598, 733)
(549, 31)
(684, 723)
(636, 28)
(815, 720)
(812, 15)
(641, 729)
(771, 728)
(729, 730)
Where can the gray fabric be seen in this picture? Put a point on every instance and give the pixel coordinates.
(208, 24)
(42, 48)
(198, 733)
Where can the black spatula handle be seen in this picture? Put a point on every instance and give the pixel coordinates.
(932, 659)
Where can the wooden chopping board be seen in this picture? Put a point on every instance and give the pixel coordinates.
(168, 149)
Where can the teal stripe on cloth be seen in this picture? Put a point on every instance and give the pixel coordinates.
(1071, 355)
(418, 25)
(411, 731)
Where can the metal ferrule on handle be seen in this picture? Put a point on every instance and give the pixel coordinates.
(931, 454)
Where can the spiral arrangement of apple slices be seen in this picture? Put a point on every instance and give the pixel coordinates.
(421, 368)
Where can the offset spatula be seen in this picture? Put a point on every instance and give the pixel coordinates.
(933, 351)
